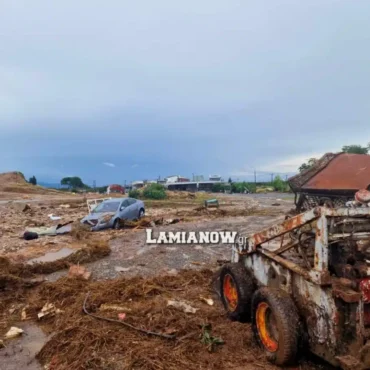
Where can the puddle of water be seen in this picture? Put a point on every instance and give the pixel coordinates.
(20, 353)
(53, 256)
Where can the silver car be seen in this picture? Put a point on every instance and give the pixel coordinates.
(111, 212)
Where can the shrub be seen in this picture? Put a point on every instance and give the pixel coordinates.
(134, 193)
(154, 191)
(279, 184)
(218, 188)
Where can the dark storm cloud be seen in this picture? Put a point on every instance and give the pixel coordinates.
(165, 87)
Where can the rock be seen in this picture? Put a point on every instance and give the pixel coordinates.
(13, 332)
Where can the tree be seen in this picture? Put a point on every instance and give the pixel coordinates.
(73, 182)
(279, 184)
(305, 166)
(355, 149)
(32, 180)
(230, 181)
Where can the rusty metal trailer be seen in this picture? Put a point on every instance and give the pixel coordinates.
(333, 180)
(305, 282)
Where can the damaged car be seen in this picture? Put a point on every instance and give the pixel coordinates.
(112, 212)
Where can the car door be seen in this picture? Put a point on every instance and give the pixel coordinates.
(124, 210)
(133, 211)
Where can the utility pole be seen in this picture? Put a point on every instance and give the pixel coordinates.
(255, 178)
(94, 184)
(272, 178)
(286, 177)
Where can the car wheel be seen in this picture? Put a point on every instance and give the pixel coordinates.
(276, 325)
(237, 288)
(117, 224)
(141, 213)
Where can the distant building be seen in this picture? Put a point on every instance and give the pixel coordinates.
(198, 178)
(215, 178)
(176, 178)
(137, 184)
(114, 188)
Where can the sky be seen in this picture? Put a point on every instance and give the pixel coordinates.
(117, 90)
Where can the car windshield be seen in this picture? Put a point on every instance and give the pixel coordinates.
(107, 207)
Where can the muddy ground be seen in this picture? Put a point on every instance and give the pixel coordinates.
(138, 277)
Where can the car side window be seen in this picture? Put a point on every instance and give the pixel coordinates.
(124, 204)
(131, 201)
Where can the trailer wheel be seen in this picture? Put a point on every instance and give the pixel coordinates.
(276, 326)
(237, 289)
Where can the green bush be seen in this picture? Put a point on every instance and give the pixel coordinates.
(154, 191)
(134, 193)
(218, 188)
(240, 187)
(279, 184)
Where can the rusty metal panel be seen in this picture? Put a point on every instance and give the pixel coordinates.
(272, 232)
(343, 172)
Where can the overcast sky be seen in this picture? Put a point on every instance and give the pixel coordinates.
(120, 90)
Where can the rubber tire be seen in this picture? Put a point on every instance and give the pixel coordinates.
(245, 289)
(288, 325)
(115, 223)
(141, 213)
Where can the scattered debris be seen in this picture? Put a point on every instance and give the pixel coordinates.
(21, 207)
(13, 332)
(276, 204)
(77, 271)
(54, 218)
(113, 307)
(209, 301)
(171, 221)
(147, 332)
(28, 235)
(49, 309)
(181, 305)
(53, 230)
(93, 203)
(122, 269)
(121, 316)
(211, 203)
(24, 316)
(65, 206)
